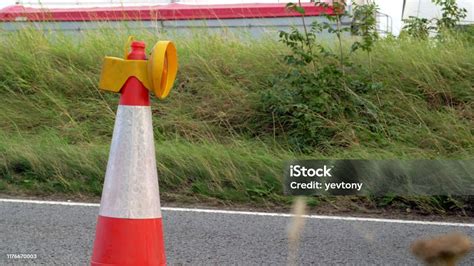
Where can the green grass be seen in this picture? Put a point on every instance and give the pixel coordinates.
(212, 139)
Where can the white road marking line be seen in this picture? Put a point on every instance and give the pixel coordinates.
(67, 203)
(322, 217)
(271, 214)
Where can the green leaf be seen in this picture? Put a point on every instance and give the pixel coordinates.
(300, 10)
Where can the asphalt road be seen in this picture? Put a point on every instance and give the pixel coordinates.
(62, 234)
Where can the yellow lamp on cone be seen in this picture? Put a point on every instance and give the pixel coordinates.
(157, 73)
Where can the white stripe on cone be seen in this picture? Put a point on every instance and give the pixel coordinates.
(131, 181)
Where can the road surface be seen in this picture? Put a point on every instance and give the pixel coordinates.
(63, 234)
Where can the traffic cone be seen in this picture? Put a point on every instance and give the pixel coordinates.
(129, 227)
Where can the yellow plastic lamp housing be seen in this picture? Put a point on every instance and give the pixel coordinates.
(162, 68)
(116, 71)
(156, 74)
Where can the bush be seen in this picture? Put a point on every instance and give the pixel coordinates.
(306, 104)
(307, 100)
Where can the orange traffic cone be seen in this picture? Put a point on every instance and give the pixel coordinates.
(129, 228)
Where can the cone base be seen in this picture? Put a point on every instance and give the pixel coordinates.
(121, 241)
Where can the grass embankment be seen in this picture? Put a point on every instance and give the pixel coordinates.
(213, 139)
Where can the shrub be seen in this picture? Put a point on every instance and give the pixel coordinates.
(306, 100)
